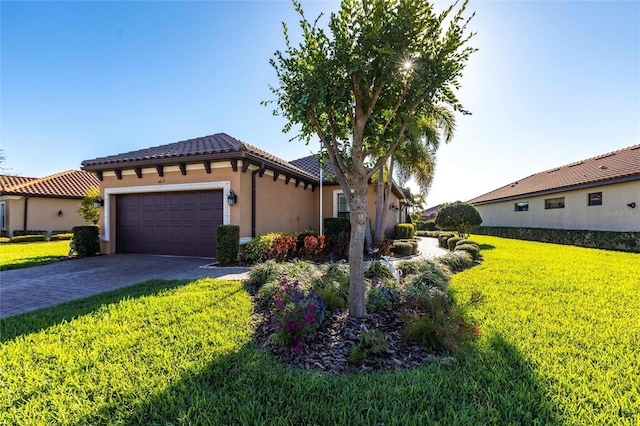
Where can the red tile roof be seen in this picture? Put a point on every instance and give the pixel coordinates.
(69, 184)
(621, 165)
(7, 181)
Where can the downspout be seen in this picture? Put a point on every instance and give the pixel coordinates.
(26, 208)
(321, 230)
(253, 202)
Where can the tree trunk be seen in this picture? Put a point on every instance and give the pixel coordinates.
(358, 207)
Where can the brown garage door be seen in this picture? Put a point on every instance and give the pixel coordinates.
(175, 223)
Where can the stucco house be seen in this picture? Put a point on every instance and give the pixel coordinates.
(44, 204)
(598, 194)
(169, 199)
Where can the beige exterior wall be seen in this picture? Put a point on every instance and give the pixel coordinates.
(42, 214)
(612, 215)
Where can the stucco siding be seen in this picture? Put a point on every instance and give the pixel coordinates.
(613, 215)
(42, 214)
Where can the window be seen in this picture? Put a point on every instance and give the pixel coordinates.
(554, 203)
(3, 221)
(342, 205)
(522, 206)
(595, 199)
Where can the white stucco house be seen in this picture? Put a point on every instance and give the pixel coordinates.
(598, 194)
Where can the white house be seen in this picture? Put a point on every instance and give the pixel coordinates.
(600, 194)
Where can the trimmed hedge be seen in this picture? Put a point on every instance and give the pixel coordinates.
(473, 250)
(61, 237)
(426, 225)
(402, 249)
(31, 238)
(19, 233)
(228, 241)
(404, 231)
(258, 249)
(459, 243)
(443, 237)
(337, 231)
(86, 239)
(4, 240)
(609, 240)
(451, 242)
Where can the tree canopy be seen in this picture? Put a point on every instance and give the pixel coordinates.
(358, 85)
(459, 216)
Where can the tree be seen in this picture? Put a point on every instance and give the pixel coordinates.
(459, 216)
(3, 160)
(359, 89)
(87, 210)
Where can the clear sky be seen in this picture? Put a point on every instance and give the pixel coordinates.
(553, 82)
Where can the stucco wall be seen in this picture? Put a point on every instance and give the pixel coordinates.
(612, 215)
(42, 214)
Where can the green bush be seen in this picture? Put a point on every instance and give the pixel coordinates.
(381, 297)
(258, 249)
(5, 240)
(377, 269)
(457, 261)
(302, 271)
(426, 225)
(443, 238)
(86, 240)
(21, 233)
(451, 242)
(332, 296)
(28, 238)
(265, 293)
(264, 272)
(371, 344)
(337, 231)
(404, 231)
(60, 237)
(465, 241)
(459, 216)
(474, 251)
(402, 249)
(228, 240)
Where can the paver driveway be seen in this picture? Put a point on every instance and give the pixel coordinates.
(23, 290)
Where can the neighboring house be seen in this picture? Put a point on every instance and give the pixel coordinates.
(431, 212)
(43, 204)
(170, 199)
(599, 193)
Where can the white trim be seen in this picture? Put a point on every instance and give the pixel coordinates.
(200, 186)
(11, 197)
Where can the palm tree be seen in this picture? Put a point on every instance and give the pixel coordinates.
(415, 158)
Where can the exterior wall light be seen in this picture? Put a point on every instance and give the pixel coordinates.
(232, 199)
(632, 205)
(393, 207)
(98, 202)
(60, 213)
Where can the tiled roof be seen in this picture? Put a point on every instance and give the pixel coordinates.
(311, 164)
(190, 150)
(7, 181)
(69, 184)
(620, 165)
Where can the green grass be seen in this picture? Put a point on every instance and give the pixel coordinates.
(559, 346)
(24, 255)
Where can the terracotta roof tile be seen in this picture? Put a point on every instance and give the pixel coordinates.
(621, 164)
(311, 164)
(69, 184)
(7, 181)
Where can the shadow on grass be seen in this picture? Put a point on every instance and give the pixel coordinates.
(486, 247)
(29, 262)
(491, 384)
(34, 321)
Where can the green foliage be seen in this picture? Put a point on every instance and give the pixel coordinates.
(371, 345)
(473, 250)
(377, 269)
(426, 225)
(61, 237)
(443, 238)
(337, 231)
(404, 231)
(228, 241)
(382, 248)
(402, 249)
(264, 272)
(4, 240)
(382, 297)
(29, 238)
(258, 249)
(24, 255)
(609, 240)
(331, 295)
(87, 210)
(304, 272)
(20, 233)
(86, 240)
(457, 261)
(451, 242)
(465, 241)
(458, 216)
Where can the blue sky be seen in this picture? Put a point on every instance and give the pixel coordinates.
(553, 82)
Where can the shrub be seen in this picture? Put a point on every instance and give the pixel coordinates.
(264, 272)
(402, 249)
(404, 231)
(60, 237)
(451, 242)
(283, 248)
(382, 297)
(4, 240)
(459, 216)
(258, 249)
(228, 240)
(267, 291)
(408, 267)
(28, 238)
(474, 251)
(87, 209)
(86, 240)
(19, 233)
(457, 261)
(381, 248)
(312, 247)
(338, 234)
(371, 344)
(296, 315)
(426, 225)
(443, 238)
(377, 269)
(302, 271)
(331, 295)
(465, 241)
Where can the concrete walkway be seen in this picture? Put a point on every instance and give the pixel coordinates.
(24, 290)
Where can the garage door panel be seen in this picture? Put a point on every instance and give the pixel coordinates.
(177, 223)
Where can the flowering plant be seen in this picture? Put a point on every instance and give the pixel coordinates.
(381, 297)
(296, 314)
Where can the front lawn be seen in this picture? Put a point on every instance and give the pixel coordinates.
(559, 346)
(24, 255)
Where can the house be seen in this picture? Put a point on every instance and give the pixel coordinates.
(431, 212)
(170, 199)
(44, 204)
(600, 193)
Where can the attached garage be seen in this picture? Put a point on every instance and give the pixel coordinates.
(181, 223)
